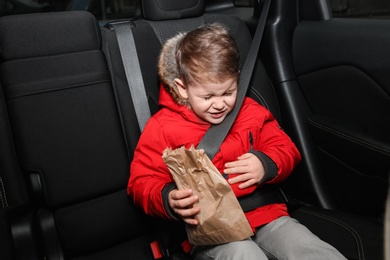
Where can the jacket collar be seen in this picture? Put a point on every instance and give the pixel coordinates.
(167, 101)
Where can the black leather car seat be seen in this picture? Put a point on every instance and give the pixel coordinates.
(67, 136)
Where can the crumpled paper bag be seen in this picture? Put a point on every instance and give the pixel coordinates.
(221, 219)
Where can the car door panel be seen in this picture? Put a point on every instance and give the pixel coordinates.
(342, 67)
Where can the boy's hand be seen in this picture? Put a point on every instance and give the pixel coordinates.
(249, 168)
(182, 202)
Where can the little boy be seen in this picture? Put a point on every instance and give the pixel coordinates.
(200, 71)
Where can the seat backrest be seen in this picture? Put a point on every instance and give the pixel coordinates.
(68, 139)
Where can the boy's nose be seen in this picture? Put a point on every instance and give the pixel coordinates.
(218, 103)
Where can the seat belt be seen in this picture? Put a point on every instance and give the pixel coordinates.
(133, 72)
(215, 135)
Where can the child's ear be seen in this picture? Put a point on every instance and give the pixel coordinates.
(181, 87)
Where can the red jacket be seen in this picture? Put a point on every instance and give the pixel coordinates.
(175, 125)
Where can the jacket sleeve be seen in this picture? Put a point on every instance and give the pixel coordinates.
(276, 145)
(148, 172)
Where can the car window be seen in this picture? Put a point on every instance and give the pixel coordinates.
(246, 3)
(360, 9)
(108, 9)
(103, 9)
(117, 9)
(347, 8)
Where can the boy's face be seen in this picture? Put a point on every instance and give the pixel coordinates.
(210, 101)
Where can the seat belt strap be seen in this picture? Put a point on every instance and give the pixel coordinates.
(266, 195)
(133, 72)
(214, 137)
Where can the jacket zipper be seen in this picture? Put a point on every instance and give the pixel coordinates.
(251, 141)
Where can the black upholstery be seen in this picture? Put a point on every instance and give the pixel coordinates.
(170, 10)
(68, 136)
(68, 129)
(357, 237)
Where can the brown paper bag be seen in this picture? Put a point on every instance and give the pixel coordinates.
(221, 219)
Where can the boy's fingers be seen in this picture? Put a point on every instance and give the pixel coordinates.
(188, 215)
(236, 170)
(239, 163)
(246, 184)
(241, 168)
(245, 156)
(191, 221)
(181, 194)
(185, 202)
(239, 178)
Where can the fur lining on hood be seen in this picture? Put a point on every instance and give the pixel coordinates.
(167, 68)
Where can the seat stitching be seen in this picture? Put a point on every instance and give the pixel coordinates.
(350, 229)
(259, 96)
(355, 140)
(3, 195)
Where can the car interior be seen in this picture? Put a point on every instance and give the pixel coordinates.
(69, 127)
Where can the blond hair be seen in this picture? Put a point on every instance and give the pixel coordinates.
(208, 53)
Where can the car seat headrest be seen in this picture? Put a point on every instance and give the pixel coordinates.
(171, 9)
(58, 33)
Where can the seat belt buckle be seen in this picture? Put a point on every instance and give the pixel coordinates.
(157, 250)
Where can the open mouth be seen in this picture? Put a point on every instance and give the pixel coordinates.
(217, 115)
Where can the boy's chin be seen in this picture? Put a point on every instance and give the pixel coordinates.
(215, 121)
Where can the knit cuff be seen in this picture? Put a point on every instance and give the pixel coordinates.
(165, 192)
(270, 168)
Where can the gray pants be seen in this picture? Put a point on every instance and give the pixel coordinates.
(283, 238)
